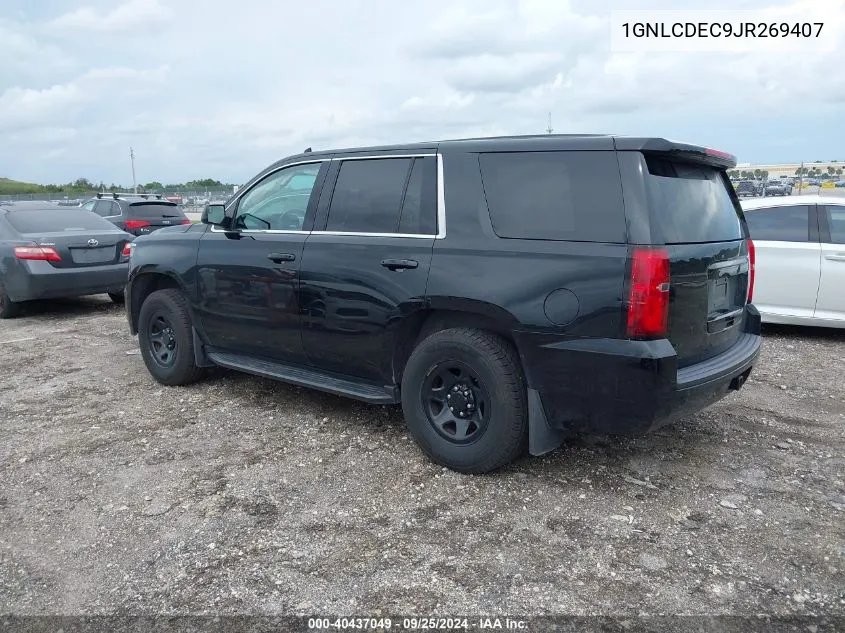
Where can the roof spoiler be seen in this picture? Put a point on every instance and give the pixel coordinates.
(681, 151)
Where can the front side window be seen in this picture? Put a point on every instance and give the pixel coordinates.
(779, 224)
(279, 201)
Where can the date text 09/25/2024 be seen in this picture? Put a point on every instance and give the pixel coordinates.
(417, 624)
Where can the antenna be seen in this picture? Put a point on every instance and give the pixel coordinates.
(132, 158)
(550, 129)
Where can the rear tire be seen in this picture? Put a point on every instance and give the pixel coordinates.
(166, 338)
(463, 396)
(8, 309)
(117, 297)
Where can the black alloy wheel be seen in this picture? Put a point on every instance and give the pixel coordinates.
(456, 402)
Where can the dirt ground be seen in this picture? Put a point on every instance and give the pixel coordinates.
(241, 495)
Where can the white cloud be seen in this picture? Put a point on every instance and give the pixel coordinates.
(133, 15)
(199, 93)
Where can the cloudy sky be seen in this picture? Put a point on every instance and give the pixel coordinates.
(219, 89)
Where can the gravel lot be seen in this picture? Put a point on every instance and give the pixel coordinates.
(241, 495)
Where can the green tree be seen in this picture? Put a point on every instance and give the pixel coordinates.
(831, 169)
(153, 186)
(838, 171)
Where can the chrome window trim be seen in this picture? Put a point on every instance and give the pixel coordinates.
(377, 156)
(441, 202)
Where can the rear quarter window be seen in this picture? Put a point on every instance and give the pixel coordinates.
(690, 203)
(569, 196)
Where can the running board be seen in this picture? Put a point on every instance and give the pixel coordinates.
(305, 377)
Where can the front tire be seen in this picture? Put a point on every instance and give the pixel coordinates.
(463, 396)
(166, 338)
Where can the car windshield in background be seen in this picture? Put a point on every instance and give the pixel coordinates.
(691, 203)
(52, 220)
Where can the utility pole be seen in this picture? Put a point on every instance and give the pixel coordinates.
(801, 178)
(132, 158)
(550, 129)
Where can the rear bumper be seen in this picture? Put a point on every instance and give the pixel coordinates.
(629, 387)
(42, 281)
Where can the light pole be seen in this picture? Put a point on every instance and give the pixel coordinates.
(550, 129)
(132, 158)
(801, 178)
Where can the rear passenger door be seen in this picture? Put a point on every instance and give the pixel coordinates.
(788, 259)
(831, 302)
(365, 266)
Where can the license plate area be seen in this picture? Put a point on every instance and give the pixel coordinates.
(727, 287)
(100, 255)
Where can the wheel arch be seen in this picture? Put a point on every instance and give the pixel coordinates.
(446, 313)
(143, 285)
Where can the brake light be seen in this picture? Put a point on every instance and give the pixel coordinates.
(648, 298)
(136, 224)
(186, 221)
(752, 265)
(717, 153)
(127, 250)
(40, 253)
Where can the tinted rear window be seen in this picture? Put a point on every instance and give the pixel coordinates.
(154, 210)
(691, 203)
(35, 221)
(575, 196)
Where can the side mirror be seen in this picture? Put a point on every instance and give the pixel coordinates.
(215, 214)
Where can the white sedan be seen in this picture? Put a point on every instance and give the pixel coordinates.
(800, 259)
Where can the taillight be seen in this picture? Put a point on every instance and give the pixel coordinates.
(648, 298)
(41, 253)
(752, 265)
(136, 224)
(186, 221)
(127, 250)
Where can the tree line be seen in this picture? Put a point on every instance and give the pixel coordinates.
(83, 185)
(807, 172)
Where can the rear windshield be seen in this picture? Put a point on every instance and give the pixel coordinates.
(572, 196)
(691, 203)
(156, 209)
(38, 221)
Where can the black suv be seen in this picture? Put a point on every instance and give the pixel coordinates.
(137, 213)
(749, 188)
(505, 291)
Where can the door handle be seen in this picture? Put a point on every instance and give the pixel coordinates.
(278, 258)
(399, 264)
(837, 257)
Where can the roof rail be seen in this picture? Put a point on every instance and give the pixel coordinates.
(118, 194)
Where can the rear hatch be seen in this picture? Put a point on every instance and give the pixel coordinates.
(147, 216)
(79, 238)
(696, 215)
